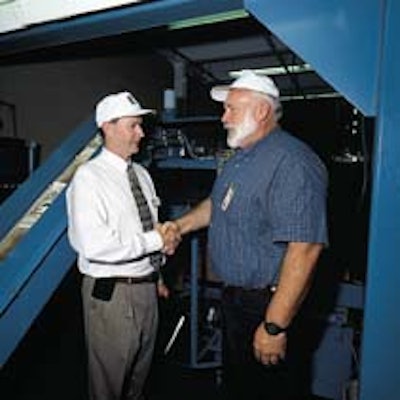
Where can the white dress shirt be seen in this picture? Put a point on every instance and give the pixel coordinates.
(104, 225)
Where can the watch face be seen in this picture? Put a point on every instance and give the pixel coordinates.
(273, 329)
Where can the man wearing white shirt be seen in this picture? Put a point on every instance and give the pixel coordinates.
(118, 255)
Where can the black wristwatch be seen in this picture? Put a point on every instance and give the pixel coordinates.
(273, 329)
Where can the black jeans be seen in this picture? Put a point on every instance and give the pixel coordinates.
(244, 377)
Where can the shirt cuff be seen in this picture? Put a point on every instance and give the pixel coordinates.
(153, 241)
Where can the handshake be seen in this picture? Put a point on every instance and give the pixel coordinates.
(171, 236)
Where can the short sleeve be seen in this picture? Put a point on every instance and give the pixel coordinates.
(299, 202)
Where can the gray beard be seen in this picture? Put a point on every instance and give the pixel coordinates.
(237, 134)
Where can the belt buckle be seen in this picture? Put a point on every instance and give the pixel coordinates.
(272, 288)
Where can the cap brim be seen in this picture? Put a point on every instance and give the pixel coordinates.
(219, 93)
(144, 111)
(138, 113)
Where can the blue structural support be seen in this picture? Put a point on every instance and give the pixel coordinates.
(111, 22)
(339, 38)
(32, 270)
(381, 350)
(30, 277)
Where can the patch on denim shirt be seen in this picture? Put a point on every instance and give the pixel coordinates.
(228, 197)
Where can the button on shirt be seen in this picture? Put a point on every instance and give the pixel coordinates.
(104, 224)
(266, 196)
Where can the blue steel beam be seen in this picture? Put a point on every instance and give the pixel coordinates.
(33, 269)
(16, 205)
(111, 22)
(380, 345)
(22, 261)
(41, 262)
(339, 38)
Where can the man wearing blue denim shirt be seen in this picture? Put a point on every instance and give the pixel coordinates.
(267, 227)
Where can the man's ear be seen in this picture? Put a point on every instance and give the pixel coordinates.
(264, 110)
(104, 125)
(108, 125)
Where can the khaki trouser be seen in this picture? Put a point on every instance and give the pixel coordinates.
(120, 338)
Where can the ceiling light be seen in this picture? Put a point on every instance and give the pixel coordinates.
(311, 96)
(291, 69)
(209, 19)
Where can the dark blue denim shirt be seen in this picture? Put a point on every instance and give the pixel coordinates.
(266, 196)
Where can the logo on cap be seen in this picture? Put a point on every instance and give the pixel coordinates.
(132, 99)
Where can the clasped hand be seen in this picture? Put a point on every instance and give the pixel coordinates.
(171, 236)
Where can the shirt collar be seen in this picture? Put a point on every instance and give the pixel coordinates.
(259, 143)
(115, 160)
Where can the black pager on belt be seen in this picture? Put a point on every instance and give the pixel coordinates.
(103, 288)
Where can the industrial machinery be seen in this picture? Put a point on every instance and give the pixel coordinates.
(19, 158)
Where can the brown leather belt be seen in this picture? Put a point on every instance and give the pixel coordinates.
(150, 278)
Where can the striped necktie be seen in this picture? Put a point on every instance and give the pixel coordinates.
(144, 212)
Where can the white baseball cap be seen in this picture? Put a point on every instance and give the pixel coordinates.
(247, 80)
(118, 105)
